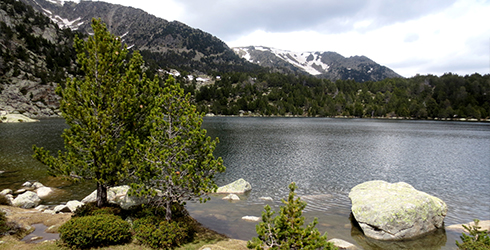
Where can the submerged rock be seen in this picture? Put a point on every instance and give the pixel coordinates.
(396, 211)
(342, 244)
(232, 197)
(251, 218)
(237, 187)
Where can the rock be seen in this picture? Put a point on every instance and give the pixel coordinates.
(20, 191)
(73, 205)
(232, 197)
(49, 211)
(28, 199)
(342, 244)
(251, 218)
(483, 224)
(7, 191)
(396, 211)
(44, 192)
(62, 209)
(27, 184)
(41, 207)
(117, 195)
(10, 198)
(37, 184)
(14, 118)
(266, 198)
(237, 187)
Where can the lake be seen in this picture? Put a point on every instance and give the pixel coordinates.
(326, 157)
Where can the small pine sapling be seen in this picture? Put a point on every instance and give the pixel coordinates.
(286, 230)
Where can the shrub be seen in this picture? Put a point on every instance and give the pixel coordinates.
(156, 232)
(91, 209)
(477, 240)
(285, 231)
(96, 230)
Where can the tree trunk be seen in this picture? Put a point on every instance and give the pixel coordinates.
(101, 195)
(168, 212)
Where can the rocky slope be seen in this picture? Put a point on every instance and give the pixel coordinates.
(35, 55)
(329, 65)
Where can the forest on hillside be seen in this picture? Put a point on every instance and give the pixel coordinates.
(449, 96)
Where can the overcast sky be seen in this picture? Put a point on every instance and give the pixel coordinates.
(411, 37)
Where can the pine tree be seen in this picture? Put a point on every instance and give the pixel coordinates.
(178, 162)
(105, 110)
(285, 231)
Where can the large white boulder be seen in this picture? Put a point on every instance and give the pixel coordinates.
(397, 211)
(28, 199)
(237, 187)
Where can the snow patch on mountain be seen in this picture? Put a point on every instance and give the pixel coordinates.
(308, 61)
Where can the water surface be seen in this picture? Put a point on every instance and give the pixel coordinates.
(325, 157)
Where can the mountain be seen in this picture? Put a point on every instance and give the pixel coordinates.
(35, 56)
(329, 65)
(162, 43)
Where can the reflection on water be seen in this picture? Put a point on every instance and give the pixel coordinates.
(325, 157)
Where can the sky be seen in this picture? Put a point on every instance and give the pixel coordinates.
(409, 36)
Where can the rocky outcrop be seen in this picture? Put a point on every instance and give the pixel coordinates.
(396, 211)
(237, 187)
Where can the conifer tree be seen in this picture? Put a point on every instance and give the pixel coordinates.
(285, 231)
(177, 157)
(104, 111)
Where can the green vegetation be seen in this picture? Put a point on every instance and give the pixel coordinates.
(126, 128)
(476, 240)
(285, 231)
(95, 231)
(179, 161)
(420, 97)
(159, 233)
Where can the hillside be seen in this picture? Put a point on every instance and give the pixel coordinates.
(328, 65)
(163, 44)
(35, 56)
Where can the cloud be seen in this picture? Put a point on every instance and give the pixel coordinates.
(229, 19)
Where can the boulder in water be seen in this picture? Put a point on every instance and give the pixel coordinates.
(397, 211)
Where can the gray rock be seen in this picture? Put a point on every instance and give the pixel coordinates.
(251, 218)
(37, 184)
(41, 207)
(232, 197)
(396, 211)
(44, 192)
(62, 209)
(117, 195)
(7, 191)
(28, 199)
(73, 205)
(15, 118)
(266, 199)
(27, 184)
(342, 244)
(237, 187)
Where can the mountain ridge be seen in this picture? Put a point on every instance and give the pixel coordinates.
(329, 65)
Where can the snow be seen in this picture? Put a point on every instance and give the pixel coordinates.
(298, 59)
